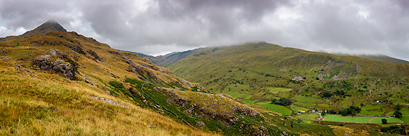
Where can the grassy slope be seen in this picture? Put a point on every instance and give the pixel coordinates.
(41, 106)
(48, 103)
(43, 102)
(248, 72)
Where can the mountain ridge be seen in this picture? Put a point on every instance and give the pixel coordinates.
(161, 60)
(168, 59)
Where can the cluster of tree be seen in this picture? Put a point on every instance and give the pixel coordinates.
(282, 101)
(339, 93)
(342, 92)
(394, 129)
(397, 113)
(327, 94)
(352, 110)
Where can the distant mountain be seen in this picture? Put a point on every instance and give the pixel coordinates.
(384, 58)
(168, 59)
(46, 27)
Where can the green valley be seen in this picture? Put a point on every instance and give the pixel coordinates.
(260, 72)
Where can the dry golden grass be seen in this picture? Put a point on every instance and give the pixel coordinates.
(49, 104)
(342, 131)
(40, 106)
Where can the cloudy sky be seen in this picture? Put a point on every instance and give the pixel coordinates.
(162, 26)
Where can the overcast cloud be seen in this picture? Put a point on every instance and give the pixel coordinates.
(162, 26)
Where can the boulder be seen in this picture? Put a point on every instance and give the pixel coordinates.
(50, 63)
(298, 78)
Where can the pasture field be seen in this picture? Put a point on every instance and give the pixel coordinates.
(277, 108)
(305, 101)
(297, 108)
(404, 111)
(390, 120)
(277, 90)
(340, 118)
(324, 107)
(405, 118)
(237, 95)
(372, 112)
(307, 116)
(372, 106)
(249, 101)
(374, 109)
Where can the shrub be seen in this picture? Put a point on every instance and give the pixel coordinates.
(327, 94)
(133, 81)
(343, 112)
(356, 108)
(116, 84)
(397, 114)
(398, 107)
(332, 112)
(282, 101)
(384, 121)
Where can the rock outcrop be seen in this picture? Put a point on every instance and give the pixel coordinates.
(298, 78)
(55, 62)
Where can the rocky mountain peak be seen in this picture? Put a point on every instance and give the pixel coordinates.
(50, 25)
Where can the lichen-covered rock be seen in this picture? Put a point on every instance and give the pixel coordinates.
(107, 100)
(5, 58)
(55, 64)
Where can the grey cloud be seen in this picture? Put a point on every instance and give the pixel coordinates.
(331, 27)
(29, 13)
(173, 21)
(364, 26)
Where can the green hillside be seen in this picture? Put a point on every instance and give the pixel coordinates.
(317, 81)
(54, 82)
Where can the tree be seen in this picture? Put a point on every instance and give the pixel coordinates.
(353, 112)
(332, 112)
(282, 101)
(397, 114)
(397, 106)
(343, 112)
(323, 113)
(384, 121)
(273, 101)
(327, 94)
(356, 108)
